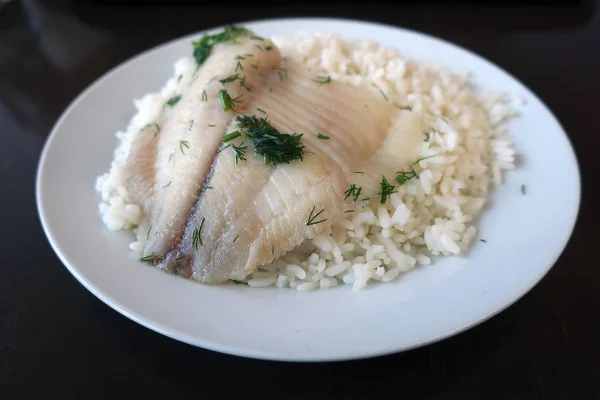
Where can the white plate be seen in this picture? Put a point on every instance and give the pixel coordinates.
(525, 234)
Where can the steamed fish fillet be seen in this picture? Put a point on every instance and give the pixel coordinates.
(190, 137)
(254, 213)
(140, 168)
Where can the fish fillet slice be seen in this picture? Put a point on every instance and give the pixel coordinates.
(190, 138)
(256, 213)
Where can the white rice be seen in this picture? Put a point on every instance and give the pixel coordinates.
(430, 216)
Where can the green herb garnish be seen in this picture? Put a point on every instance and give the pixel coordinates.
(358, 172)
(322, 80)
(191, 124)
(348, 211)
(244, 85)
(274, 146)
(238, 66)
(353, 192)
(226, 101)
(259, 47)
(167, 185)
(182, 144)
(386, 190)
(196, 239)
(204, 96)
(204, 46)
(230, 78)
(148, 259)
(231, 136)
(236, 238)
(383, 94)
(148, 233)
(483, 240)
(256, 37)
(427, 136)
(261, 110)
(269, 48)
(523, 190)
(240, 152)
(322, 137)
(171, 156)
(173, 100)
(311, 217)
(403, 176)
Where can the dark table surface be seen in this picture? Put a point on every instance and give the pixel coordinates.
(57, 338)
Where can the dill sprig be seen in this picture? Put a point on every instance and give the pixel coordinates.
(274, 146)
(230, 78)
(226, 101)
(353, 192)
(403, 176)
(348, 211)
(240, 152)
(523, 189)
(171, 156)
(311, 217)
(236, 238)
(154, 124)
(427, 136)
(182, 144)
(322, 137)
(204, 46)
(148, 233)
(167, 185)
(261, 110)
(196, 238)
(322, 80)
(148, 259)
(244, 85)
(204, 96)
(268, 48)
(238, 66)
(231, 136)
(191, 124)
(173, 100)
(386, 190)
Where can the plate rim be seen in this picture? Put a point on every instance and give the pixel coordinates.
(206, 344)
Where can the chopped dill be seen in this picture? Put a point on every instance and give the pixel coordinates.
(322, 137)
(523, 190)
(211, 125)
(191, 124)
(230, 78)
(206, 187)
(196, 238)
(427, 136)
(403, 176)
(238, 66)
(148, 234)
(386, 190)
(407, 108)
(167, 185)
(272, 249)
(226, 101)
(249, 55)
(148, 259)
(171, 156)
(240, 152)
(255, 66)
(261, 110)
(444, 119)
(268, 48)
(179, 78)
(322, 80)
(383, 94)
(274, 146)
(244, 85)
(236, 238)
(483, 240)
(204, 46)
(231, 136)
(156, 131)
(182, 144)
(311, 217)
(173, 100)
(280, 69)
(348, 211)
(179, 258)
(239, 57)
(204, 96)
(256, 37)
(353, 192)
(258, 46)
(358, 172)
